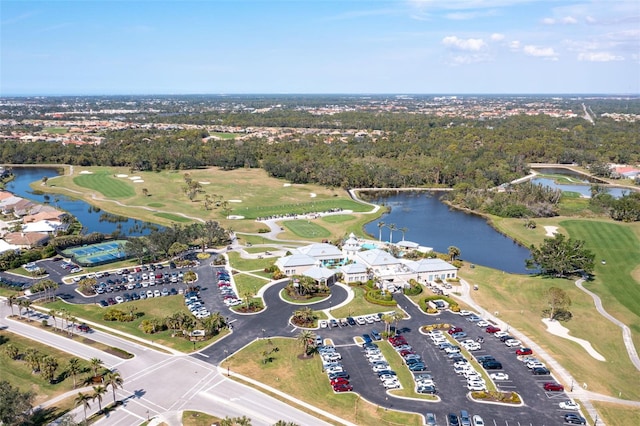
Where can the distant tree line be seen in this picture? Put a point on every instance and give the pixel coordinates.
(414, 150)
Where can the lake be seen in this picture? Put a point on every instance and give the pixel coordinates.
(433, 224)
(92, 218)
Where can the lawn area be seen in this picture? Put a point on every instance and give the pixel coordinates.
(306, 229)
(247, 265)
(519, 300)
(174, 217)
(197, 418)
(338, 218)
(249, 284)
(19, 374)
(106, 184)
(247, 192)
(618, 415)
(288, 372)
(359, 306)
(158, 308)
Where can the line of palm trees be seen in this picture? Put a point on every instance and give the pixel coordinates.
(112, 379)
(392, 227)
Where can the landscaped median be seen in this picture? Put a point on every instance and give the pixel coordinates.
(301, 377)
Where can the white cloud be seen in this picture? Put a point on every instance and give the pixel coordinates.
(470, 44)
(590, 20)
(569, 20)
(541, 52)
(497, 37)
(599, 57)
(514, 45)
(548, 21)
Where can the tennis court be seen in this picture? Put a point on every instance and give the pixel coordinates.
(97, 254)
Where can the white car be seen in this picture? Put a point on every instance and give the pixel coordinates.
(499, 376)
(499, 334)
(476, 387)
(513, 342)
(361, 320)
(473, 346)
(391, 384)
(156, 293)
(464, 313)
(569, 405)
(477, 421)
(322, 323)
(483, 323)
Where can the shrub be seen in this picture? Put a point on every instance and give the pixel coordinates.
(113, 314)
(203, 256)
(376, 297)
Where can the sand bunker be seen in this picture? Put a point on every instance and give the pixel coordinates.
(313, 195)
(86, 172)
(234, 216)
(134, 177)
(554, 327)
(122, 176)
(204, 183)
(137, 181)
(286, 184)
(235, 201)
(551, 230)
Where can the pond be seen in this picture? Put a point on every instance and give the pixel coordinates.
(93, 219)
(432, 223)
(583, 188)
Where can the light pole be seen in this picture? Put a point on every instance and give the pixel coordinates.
(571, 390)
(263, 331)
(226, 353)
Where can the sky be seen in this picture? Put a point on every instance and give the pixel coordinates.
(109, 47)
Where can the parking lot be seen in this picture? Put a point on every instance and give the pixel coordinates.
(540, 407)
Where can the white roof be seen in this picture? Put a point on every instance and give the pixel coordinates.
(321, 250)
(377, 257)
(408, 244)
(41, 226)
(354, 268)
(429, 265)
(319, 273)
(5, 246)
(294, 260)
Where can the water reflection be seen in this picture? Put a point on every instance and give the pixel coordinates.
(93, 219)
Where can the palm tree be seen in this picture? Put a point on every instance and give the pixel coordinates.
(49, 367)
(95, 364)
(74, 369)
(11, 301)
(453, 252)
(73, 321)
(83, 399)
(392, 227)
(33, 357)
(98, 391)
(114, 380)
(306, 338)
(388, 319)
(397, 316)
(380, 226)
(404, 229)
(53, 313)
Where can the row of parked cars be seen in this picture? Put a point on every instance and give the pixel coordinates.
(144, 294)
(351, 321)
(195, 305)
(229, 296)
(380, 365)
(332, 365)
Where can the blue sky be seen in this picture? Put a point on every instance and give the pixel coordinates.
(319, 46)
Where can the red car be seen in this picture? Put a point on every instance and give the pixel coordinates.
(344, 387)
(339, 381)
(524, 351)
(406, 352)
(492, 329)
(455, 330)
(553, 387)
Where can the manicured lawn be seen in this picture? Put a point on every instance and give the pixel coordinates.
(247, 192)
(106, 184)
(18, 372)
(306, 229)
(615, 414)
(159, 308)
(519, 300)
(359, 306)
(338, 218)
(246, 265)
(197, 418)
(174, 217)
(248, 283)
(288, 373)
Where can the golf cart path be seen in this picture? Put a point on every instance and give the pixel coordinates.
(626, 332)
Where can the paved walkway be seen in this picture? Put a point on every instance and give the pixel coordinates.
(626, 332)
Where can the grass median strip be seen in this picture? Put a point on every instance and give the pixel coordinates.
(404, 375)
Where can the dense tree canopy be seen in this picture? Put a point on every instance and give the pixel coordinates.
(562, 257)
(14, 404)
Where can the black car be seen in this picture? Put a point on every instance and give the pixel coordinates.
(173, 291)
(104, 303)
(540, 371)
(574, 419)
(430, 389)
(351, 321)
(492, 365)
(452, 419)
(389, 372)
(505, 338)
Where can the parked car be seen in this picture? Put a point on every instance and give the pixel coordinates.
(343, 387)
(452, 419)
(574, 419)
(524, 351)
(84, 328)
(492, 329)
(540, 371)
(499, 376)
(477, 421)
(430, 419)
(569, 405)
(553, 387)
